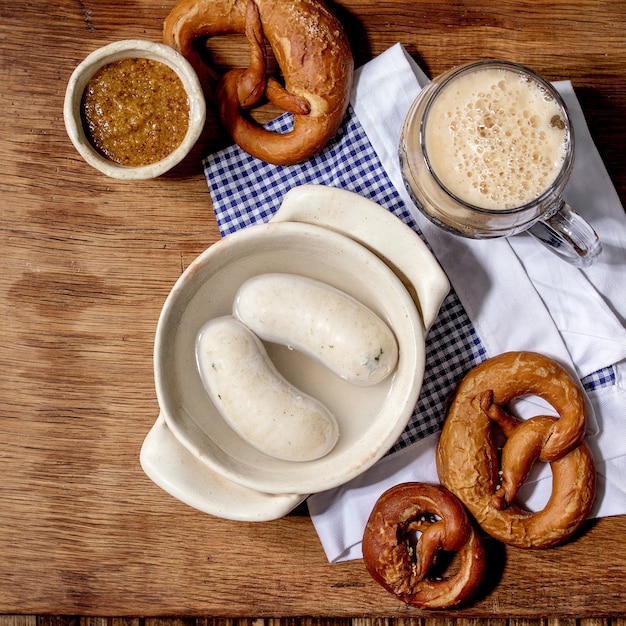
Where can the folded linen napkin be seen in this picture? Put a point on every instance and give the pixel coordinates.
(507, 294)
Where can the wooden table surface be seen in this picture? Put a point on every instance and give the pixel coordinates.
(89, 262)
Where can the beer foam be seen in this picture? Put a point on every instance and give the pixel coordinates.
(495, 139)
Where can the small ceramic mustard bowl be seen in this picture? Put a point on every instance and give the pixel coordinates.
(74, 111)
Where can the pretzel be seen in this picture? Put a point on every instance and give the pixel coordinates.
(402, 566)
(467, 455)
(311, 49)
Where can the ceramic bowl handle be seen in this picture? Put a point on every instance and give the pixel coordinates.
(183, 475)
(378, 230)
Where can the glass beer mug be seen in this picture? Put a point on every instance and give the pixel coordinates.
(486, 150)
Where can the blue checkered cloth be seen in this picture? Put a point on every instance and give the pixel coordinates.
(247, 191)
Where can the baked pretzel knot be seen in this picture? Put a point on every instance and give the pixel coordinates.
(311, 49)
(402, 565)
(468, 460)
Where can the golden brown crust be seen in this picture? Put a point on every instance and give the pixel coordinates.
(401, 565)
(467, 456)
(314, 56)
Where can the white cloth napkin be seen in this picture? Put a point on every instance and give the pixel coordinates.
(518, 296)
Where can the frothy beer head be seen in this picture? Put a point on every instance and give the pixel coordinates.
(495, 138)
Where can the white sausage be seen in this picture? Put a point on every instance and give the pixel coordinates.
(255, 400)
(321, 321)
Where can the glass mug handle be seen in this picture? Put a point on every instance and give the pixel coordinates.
(569, 236)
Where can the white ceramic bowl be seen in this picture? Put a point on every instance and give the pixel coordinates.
(132, 48)
(370, 419)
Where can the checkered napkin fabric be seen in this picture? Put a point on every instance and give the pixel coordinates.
(247, 191)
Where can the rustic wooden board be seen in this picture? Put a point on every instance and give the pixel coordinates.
(89, 262)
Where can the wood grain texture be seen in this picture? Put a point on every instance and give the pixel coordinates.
(64, 620)
(88, 264)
